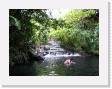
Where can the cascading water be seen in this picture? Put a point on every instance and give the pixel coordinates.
(54, 55)
(55, 60)
(53, 49)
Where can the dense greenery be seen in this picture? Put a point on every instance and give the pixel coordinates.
(27, 28)
(78, 31)
(81, 31)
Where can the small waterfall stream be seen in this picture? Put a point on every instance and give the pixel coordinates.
(53, 64)
(54, 55)
(53, 49)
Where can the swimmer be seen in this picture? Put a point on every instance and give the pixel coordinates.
(69, 61)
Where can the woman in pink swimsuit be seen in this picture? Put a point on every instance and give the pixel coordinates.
(68, 62)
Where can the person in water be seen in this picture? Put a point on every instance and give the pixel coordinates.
(69, 61)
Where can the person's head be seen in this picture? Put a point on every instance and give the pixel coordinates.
(70, 58)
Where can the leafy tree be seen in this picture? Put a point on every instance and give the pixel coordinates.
(80, 31)
(23, 33)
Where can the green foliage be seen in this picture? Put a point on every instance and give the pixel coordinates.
(83, 19)
(14, 22)
(80, 32)
(23, 32)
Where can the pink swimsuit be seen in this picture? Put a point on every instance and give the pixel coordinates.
(68, 62)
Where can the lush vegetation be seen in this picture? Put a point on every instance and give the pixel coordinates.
(77, 31)
(80, 32)
(27, 28)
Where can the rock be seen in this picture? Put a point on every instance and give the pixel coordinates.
(35, 57)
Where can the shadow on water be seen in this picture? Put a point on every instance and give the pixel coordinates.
(84, 66)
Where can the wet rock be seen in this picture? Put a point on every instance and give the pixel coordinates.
(35, 57)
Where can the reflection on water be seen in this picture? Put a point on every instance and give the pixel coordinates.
(54, 66)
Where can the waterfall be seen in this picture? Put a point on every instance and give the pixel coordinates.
(53, 49)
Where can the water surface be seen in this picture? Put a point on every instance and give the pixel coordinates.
(54, 66)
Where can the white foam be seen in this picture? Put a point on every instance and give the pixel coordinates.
(64, 55)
